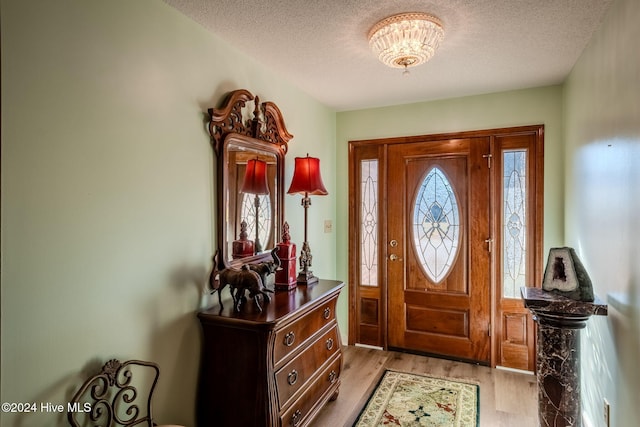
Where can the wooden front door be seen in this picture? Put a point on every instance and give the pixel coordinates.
(438, 248)
(440, 277)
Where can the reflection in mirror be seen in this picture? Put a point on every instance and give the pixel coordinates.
(250, 201)
(255, 190)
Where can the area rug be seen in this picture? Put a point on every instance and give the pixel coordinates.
(403, 399)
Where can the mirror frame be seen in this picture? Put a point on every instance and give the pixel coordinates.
(264, 132)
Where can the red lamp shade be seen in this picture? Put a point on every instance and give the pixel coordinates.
(306, 177)
(255, 178)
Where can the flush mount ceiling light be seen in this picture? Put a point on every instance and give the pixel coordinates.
(406, 40)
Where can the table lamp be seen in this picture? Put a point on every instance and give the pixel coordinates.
(306, 181)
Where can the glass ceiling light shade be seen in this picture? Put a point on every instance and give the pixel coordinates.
(407, 39)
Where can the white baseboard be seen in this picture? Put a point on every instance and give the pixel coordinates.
(519, 371)
(373, 347)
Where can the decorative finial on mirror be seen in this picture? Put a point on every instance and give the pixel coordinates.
(256, 123)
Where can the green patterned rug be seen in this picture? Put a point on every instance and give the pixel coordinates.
(402, 399)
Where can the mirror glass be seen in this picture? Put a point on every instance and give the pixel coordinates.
(250, 220)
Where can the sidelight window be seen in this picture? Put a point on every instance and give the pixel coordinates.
(369, 223)
(514, 222)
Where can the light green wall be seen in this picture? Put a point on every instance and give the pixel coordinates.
(602, 110)
(506, 109)
(108, 195)
(107, 188)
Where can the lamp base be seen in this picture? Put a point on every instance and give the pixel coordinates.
(306, 278)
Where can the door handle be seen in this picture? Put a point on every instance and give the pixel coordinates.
(394, 257)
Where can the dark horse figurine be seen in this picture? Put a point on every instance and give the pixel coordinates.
(249, 277)
(264, 269)
(244, 280)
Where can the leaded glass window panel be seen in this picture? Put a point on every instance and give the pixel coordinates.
(369, 223)
(514, 222)
(436, 225)
(248, 214)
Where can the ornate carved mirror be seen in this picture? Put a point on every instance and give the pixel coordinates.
(250, 176)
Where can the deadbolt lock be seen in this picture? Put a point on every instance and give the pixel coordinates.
(393, 243)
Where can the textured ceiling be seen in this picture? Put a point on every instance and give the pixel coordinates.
(321, 46)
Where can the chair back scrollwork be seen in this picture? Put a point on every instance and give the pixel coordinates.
(112, 398)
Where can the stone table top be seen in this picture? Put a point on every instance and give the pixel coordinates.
(543, 301)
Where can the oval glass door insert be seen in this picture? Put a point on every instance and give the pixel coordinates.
(248, 214)
(436, 225)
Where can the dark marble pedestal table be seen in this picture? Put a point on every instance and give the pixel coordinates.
(558, 353)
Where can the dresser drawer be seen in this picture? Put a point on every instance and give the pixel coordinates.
(295, 334)
(298, 413)
(291, 377)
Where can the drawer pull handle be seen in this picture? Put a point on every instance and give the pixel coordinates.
(296, 418)
(326, 313)
(289, 339)
(292, 378)
(333, 377)
(329, 343)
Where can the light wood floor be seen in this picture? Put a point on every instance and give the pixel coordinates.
(507, 399)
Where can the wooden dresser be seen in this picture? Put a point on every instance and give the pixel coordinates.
(277, 367)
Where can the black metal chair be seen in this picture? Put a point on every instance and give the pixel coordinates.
(111, 398)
